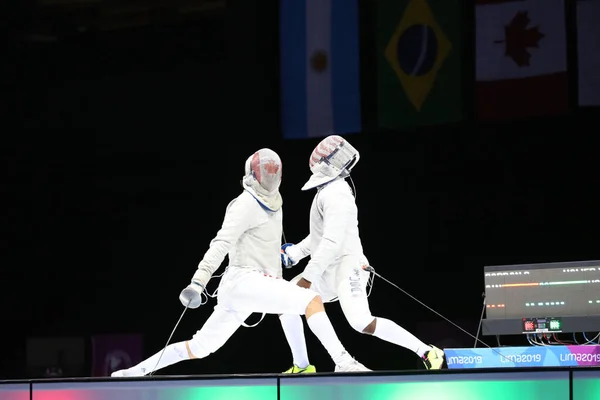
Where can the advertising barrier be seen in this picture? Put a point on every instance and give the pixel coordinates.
(516, 357)
(551, 385)
(14, 391)
(491, 384)
(586, 385)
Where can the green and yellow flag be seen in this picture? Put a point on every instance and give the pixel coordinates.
(419, 53)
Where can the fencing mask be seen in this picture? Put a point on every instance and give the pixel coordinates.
(262, 178)
(332, 158)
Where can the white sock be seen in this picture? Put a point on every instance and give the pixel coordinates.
(294, 333)
(174, 353)
(321, 326)
(393, 333)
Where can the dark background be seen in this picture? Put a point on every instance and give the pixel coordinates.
(122, 148)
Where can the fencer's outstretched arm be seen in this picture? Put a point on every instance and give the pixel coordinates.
(338, 208)
(238, 218)
(297, 252)
(304, 247)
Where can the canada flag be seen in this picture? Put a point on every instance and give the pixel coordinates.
(521, 58)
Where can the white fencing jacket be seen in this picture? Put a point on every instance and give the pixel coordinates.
(250, 236)
(333, 230)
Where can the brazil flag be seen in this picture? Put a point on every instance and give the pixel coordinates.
(419, 75)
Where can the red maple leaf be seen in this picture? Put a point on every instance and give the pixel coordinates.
(271, 167)
(518, 38)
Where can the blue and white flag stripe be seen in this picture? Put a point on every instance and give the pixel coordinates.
(317, 103)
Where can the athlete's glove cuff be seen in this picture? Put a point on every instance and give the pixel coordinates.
(288, 258)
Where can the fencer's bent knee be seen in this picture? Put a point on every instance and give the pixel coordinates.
(359, 321)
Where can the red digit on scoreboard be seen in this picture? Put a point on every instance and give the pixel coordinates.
(529, 326)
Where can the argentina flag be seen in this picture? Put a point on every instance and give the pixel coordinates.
(320, 91)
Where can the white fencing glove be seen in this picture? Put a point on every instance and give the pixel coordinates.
(288, 257)
(191, 296)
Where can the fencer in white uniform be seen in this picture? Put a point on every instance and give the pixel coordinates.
(335, 269)
(251, 237)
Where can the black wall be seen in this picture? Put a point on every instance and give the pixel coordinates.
(121, 151)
